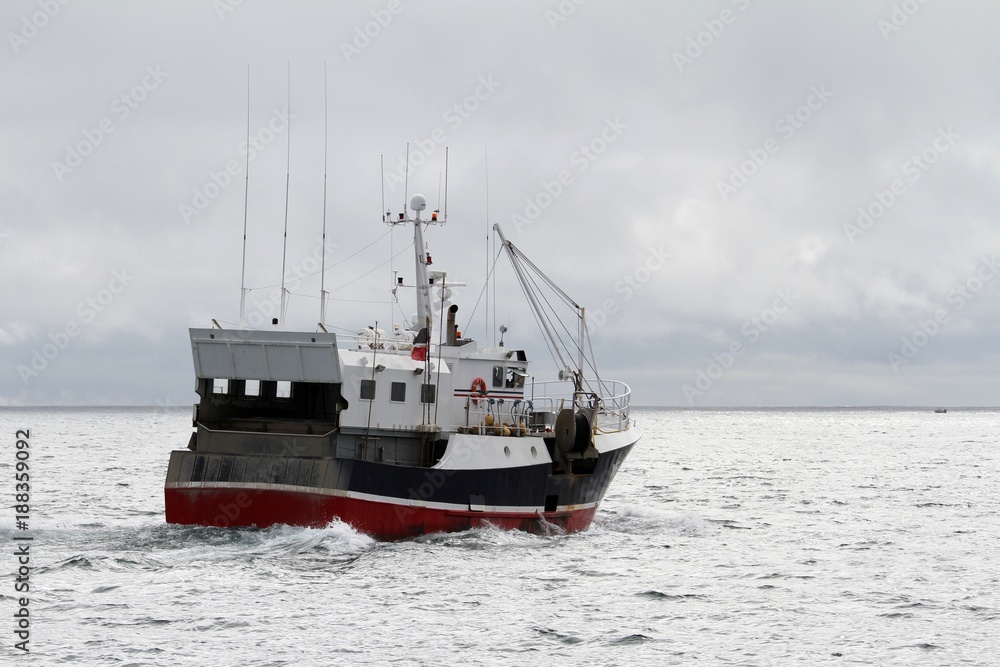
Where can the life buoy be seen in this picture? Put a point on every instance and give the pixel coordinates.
(478, 387)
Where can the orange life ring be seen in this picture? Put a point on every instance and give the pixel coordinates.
(478, 387)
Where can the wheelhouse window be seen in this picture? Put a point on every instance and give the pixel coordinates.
(515, 378)
(251, 388)
(220, 386)
(397, 393)
(497, 376)
(283, 389)
(427, 393)
(368, 390)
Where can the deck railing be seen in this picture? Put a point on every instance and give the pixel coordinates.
(610, 398)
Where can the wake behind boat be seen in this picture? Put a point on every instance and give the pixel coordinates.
(398, 435)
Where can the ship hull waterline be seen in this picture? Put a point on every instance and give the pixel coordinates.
(239, 508)
(380, 513)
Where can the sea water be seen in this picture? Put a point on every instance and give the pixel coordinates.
(738, 537)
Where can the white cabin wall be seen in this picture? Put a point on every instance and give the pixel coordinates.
(465, 370)
(384, 412)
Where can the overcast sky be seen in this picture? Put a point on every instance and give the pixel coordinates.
(760, 203)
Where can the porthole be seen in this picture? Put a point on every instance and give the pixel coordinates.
(534, 452)
(506, 451)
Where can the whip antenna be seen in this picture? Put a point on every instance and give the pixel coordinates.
(288, 168)
(246, 197)
(326, 151)
(445, 216)
(381, 165)
(486, 157)
(406, 176)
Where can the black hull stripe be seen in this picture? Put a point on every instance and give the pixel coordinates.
(525, 487)
(305, 491)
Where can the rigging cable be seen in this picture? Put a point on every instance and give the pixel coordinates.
(352, 256)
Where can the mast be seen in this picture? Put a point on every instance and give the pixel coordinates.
(422, 260)
(424, 316)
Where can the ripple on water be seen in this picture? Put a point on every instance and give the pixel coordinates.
(639, 520)
(558, 637)
(672, 597)
(631, 639)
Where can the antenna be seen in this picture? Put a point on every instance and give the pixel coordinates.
(326, 125)
(392, 272)
(387, 218)
(406, 177)
(494, 287)
(246, 197)
(486, 155)
(444, 217)
(288, 168)
(381, 165)
(406, 187)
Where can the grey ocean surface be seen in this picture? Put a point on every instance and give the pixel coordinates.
(738, 537)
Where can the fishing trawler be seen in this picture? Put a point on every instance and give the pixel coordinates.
(401, 434)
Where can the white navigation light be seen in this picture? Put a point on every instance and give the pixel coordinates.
(418, 202)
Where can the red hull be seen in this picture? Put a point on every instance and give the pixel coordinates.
(229, 507)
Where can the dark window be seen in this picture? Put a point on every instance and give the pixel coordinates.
(398, 392)
(515, 378)
(368, 390)
(498, 376)
(427, 393)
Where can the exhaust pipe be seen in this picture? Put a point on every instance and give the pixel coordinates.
(452, 327)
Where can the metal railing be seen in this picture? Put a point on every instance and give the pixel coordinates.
(611, 402)
(489, 416)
